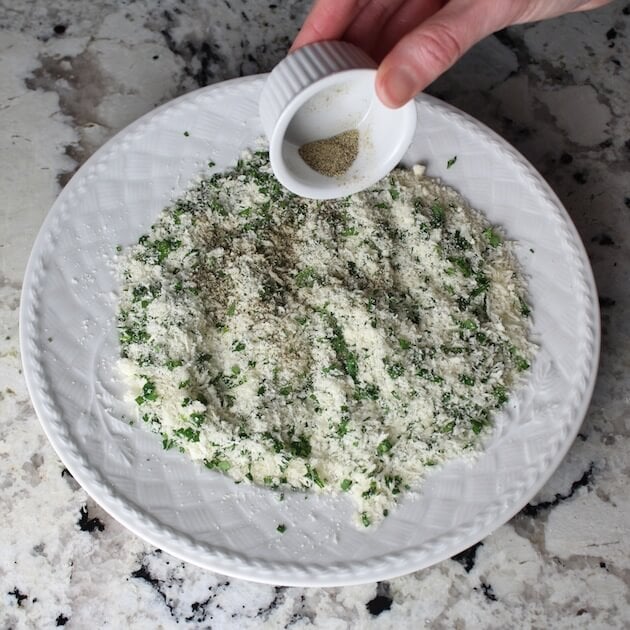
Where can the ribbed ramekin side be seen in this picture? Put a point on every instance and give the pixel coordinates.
(302, 68)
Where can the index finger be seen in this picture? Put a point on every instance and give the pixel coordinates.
(328, 19)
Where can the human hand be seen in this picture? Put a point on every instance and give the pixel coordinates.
(417, 40)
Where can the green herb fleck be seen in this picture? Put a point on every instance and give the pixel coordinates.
(451, 161)
(500, 394)
(164, 247)
(492, 237)
(285, 390)
(219, 464)
(369, 391)
(300, 447)
(468, 324)
(305, 278)
(167, 442)
(342, 427)
(521, 363)
(349, 231)
(463, 264)
(347, 359)
(197, 418)
(313, 475)
(395, 370)
(524, 307)
(371, 491)
(437, 215)
(467, 380)
(133, 335)
(188, 433)
(148, 391)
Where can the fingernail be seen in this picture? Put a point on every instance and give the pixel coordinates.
(398, 86)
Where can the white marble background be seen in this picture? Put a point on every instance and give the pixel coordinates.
(72, 73)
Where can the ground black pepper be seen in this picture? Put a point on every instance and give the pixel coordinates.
(332, 156)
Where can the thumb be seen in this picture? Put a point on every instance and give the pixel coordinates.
(434, 46)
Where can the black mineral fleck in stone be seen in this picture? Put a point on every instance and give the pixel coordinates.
(584, 481)
(467, 557)
(379, 604)
(18, 595)
(89, 524)
(603, 239)
(488, 591)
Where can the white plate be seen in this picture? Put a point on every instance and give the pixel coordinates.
(69, 347)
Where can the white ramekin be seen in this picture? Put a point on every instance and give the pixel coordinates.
(322, 90)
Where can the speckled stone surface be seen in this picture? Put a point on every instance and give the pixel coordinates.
(73, 74)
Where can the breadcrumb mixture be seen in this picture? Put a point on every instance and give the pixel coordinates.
(345, 346)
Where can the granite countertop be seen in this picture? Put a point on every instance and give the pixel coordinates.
(72, 75)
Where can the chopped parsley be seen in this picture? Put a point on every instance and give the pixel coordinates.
(305, 277)
(492, 237)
